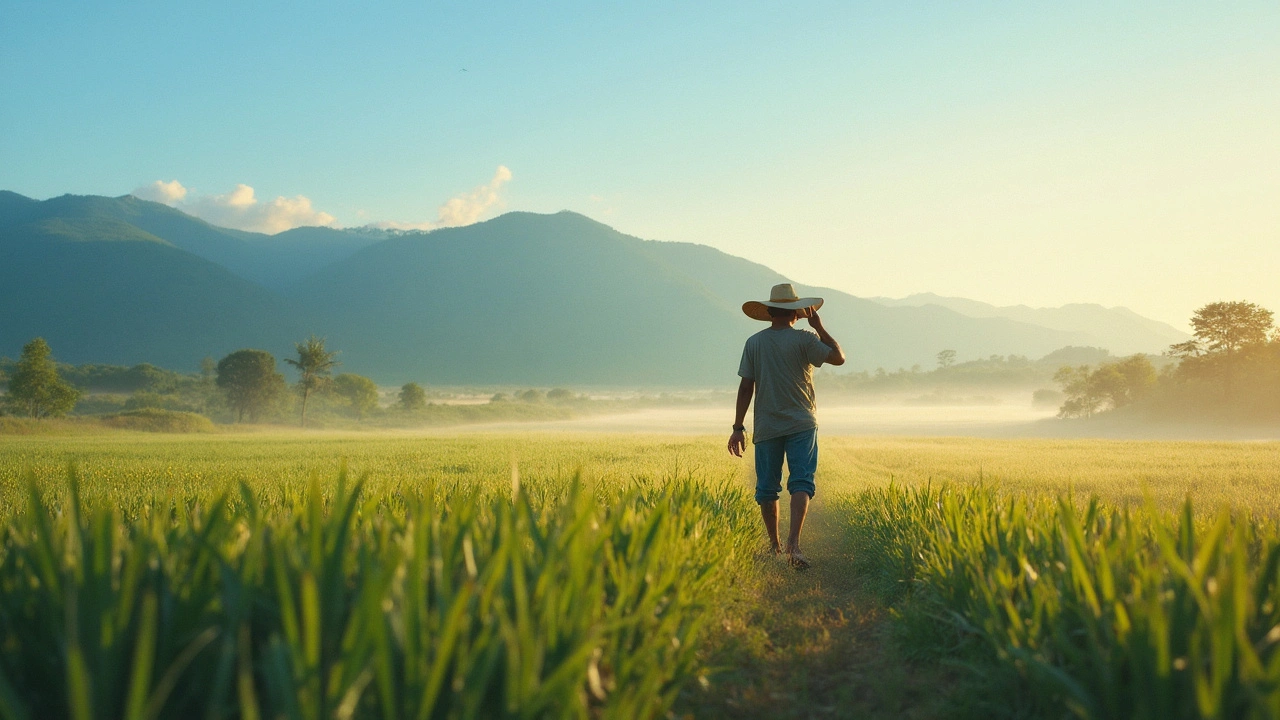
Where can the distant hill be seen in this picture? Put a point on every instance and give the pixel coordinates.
(1118, 329)
(273, 261)
(562, 298)
(523, 299)
(101, 290)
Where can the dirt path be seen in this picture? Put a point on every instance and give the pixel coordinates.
(811, 644)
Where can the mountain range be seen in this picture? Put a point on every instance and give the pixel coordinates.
(1118, 329)
(523, 298)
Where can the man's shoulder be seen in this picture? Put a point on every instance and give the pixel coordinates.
(801, 335)
(792, 333)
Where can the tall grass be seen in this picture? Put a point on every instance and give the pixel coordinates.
(547, 601)
(1107, 612)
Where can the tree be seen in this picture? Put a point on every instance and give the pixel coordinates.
(946, 358)
(1137, 380)
(360, 392)
(1228, 327)
(1110, 386)
(1223, 331)
(1082, 398)
(412, 397)
(251, 382)
(314, 364)
(35, 389)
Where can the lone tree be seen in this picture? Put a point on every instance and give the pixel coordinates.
(412, 397)
(35, 390)
(251, 382)
(314, 364)
(946, 359)
(360, 393)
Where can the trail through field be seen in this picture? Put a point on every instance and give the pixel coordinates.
(814, 643)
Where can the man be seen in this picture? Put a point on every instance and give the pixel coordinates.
(777, 367)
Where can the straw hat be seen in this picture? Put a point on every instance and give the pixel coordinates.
(781, 296)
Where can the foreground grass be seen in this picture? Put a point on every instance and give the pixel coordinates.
(843, 640)
(1104, 611)
(555, 599)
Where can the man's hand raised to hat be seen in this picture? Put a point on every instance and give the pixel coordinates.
(837, 355)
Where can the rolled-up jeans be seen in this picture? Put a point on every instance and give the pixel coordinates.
(801, 452)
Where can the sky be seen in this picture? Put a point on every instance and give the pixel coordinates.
(1014, 153)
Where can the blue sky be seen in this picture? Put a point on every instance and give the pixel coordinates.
(1010, 152)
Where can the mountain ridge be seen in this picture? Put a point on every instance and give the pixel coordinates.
(1118, 329)
(523, 298)
(105, 291)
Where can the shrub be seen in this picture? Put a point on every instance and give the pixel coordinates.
(412, 397)
(157, 420)
(1044, 397)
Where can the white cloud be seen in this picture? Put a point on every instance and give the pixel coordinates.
(160, 191)
(461, 209)
(242, 210)
(239, 208)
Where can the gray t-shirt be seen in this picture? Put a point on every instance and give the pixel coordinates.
(781, 363)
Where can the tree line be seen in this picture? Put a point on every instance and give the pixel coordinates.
(991, 373)
(248, 381)
(252, 383)
(1229, 369)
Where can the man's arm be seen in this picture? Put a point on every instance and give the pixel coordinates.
(837, 355)
(738, 440)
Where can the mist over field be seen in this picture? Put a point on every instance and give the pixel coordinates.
(878, 419)
(1008, 417)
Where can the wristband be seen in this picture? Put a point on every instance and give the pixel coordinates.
(739, 428)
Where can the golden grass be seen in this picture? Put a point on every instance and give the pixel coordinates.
(1242, 474)
(125, 466)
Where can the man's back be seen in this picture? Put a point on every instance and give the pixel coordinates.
(781, 362)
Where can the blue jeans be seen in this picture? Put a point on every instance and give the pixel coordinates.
(801, 452)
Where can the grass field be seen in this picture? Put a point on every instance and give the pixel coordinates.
(622, 577)
(125, 467)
